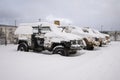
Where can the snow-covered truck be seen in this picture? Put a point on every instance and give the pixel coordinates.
(98, 36)
(41, 36)
(88, 38)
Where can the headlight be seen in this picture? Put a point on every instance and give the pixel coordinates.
(73, 42)
(96, 39)
(89, 39)
(80, 41)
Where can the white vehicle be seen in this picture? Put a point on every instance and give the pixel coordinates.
(98, 36)
(45, 36)
(88, 38)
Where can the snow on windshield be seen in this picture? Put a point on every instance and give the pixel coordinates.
(77, 29)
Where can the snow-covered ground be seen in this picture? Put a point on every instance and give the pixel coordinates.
(101, 64)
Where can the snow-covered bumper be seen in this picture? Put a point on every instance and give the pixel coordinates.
(96, 41)
(104, 41)
(76, 47)
(77, 44)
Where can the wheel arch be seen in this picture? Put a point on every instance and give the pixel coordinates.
(25, 46)
(57, 44)
(22, 41)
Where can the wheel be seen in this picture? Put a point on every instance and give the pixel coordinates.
(61, 50)
(90, 48)
(23, 47)
(100, 44)
(89, 45)
(73, 52)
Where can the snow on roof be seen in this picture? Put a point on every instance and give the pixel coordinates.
(37, 23)
(95, 33)
(24, 30)
(77, 31)
(90, 32)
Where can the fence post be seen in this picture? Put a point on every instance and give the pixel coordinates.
(115, 35)
(5, 36)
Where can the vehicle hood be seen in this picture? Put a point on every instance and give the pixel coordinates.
(63, 36)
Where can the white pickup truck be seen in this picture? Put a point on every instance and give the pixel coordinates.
(41, 36)
(102, 38)
(87, 37)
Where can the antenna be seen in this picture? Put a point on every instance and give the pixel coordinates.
(39, 19)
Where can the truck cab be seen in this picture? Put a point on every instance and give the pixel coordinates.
(46, 36)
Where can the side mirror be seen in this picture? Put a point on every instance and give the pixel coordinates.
(35, 30)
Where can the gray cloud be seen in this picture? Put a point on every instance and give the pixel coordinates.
(92, 13)
(7, 16)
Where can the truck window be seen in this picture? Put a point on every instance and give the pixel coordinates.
(84, 30)
(45, 29)
(94, 31)
(35, 29)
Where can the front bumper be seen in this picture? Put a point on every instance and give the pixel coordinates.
(76, 47)
(96, 43)
(104, 42)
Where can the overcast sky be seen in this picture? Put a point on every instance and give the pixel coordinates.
(83, 13)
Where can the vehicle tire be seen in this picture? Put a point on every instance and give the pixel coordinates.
(100, 44)
(23, 47)
(61, 50)
(73, 52)
(90, 48)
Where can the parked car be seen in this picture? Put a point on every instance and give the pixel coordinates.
(46, 36)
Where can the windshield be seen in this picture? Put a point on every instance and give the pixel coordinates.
(45, 29)
(55, 28)
(95, 31)
(85, 30)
